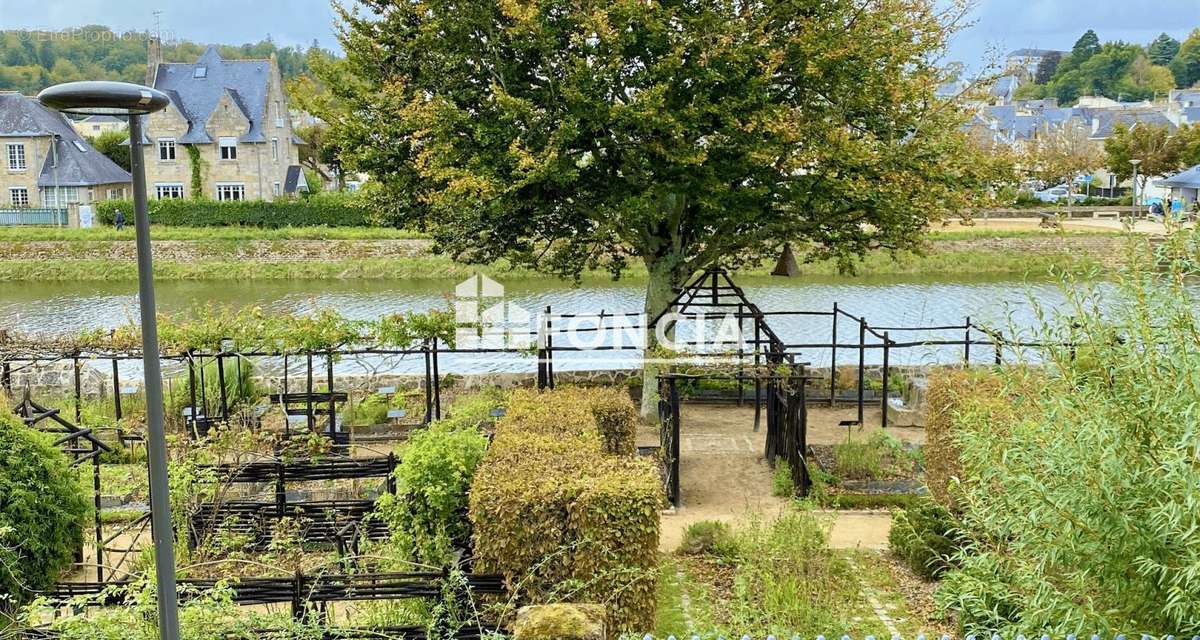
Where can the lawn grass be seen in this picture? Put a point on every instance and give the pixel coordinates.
(781, 580)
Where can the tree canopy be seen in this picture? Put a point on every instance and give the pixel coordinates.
(1115, 70)
(1186, 65)
(32, 60)
(1163, 50)
(587, 135)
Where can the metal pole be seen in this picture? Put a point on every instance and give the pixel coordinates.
(862, 366)
(160, 504)
(967, 344)
(833, 358)
(883, 404)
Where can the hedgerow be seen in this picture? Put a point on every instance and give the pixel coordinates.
(927, 537)
(42, 511)
(330, 210)
(561, 517)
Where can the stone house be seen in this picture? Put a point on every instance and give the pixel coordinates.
(46, 163)
(229, 115)
(92, 126)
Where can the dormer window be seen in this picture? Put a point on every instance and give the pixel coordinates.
(228, 148)
(200, 72)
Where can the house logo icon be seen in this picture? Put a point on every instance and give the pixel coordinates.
(485, 319)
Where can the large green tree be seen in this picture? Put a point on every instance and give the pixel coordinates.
(568, 136)
(1186, 65)
(1160, 153)
(1163, 50)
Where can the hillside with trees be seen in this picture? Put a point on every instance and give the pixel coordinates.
(32, 60)
(1117, 70)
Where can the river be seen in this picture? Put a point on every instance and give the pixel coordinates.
(882, 301)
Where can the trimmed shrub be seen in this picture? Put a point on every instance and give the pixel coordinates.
(428, 512)
(958, 397)
(926, 536)
(42, 511)
(561, 517)
(577, 412)
(331, 210)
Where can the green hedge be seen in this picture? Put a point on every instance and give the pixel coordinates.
(560, 517)
(42, 511)
(331, 210)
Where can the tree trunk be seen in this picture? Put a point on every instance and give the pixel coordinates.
(665, 273)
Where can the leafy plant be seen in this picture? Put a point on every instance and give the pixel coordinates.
(1081, 507)
(927, 537)
(325, 209)
(782, 484)
(427, 516)
(708, 537)
(42, 511)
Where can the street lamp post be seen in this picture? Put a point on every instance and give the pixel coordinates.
(134, 101)
(1134, 198)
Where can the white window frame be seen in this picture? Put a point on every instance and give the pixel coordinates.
(278, 114)
(117, 193)
(224, 144)
(59, 197)
(226, 191)
(16, 156)
(21, 202)
(275, 149)
(168, 190)
(277, 188)
(167, 145)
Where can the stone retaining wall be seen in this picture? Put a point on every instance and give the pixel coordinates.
(1106, 249)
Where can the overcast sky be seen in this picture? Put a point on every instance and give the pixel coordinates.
(999, 25)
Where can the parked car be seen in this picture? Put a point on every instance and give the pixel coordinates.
(1057, 194)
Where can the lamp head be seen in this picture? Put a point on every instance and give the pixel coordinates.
(96, 97)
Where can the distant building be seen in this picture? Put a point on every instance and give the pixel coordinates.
(1184, 185)
(1027, 60)
(235, 115)
(1004, 90)
(47, 163)
(92, 126)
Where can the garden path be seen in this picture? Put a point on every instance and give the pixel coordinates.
(724, 477)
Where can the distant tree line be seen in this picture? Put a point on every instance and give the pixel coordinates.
(1117, 70)
(32, 60)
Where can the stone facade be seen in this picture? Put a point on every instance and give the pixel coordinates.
(35, 150)
(259, 169)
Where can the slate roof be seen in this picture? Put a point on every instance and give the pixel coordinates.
(244, 81)
(79, 165)
(295, 180)
(1109, 119)
(103, 118)
(1005, 87)
(1189, 179)
(1192, 114)
(1032, 53)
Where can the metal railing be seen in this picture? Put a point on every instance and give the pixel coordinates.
(45, 216)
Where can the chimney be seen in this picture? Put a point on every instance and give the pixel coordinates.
(153, 59)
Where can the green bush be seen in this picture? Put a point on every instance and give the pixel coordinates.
(42, 511)
(562, 518)
(708, 537)
(927, 537)
(782, 484)
(578, 412)
(428, 512)
(326, 209)
(1084, 503)
(240, 388)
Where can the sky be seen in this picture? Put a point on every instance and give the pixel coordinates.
(998, 25)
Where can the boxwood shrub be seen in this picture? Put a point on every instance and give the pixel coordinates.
(331, 210)
(42, 511)
(563, 518)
